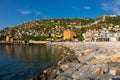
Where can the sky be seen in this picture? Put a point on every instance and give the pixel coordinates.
(13, 12)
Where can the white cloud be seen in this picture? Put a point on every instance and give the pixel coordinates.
(78, 8)
(75, 8)
(118, 2)
(113, 6)
(37, 12)
(24, 12)
(86, 7)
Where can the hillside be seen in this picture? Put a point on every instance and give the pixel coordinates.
(52, 29)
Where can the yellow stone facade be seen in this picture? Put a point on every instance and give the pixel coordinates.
(7, 39)
(68, 35)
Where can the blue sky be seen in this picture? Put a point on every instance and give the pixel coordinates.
(13, 12)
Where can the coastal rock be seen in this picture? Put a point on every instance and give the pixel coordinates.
(41, 77)
(65, 53)
(48, 74)
(114, 58)
(87, 51)
(105, 68)
(101, 50)
(64, 67)
(78, 53)
(100, 56)
(62, 78)
(87, 61)
(114, 72)
(118, 71)
(86, 71)
(70, 58)
(115, 78)
(114, 68)
(69, 66)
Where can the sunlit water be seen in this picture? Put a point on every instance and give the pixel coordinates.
(21, 62)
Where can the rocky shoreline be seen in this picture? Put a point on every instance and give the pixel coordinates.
(85, 61)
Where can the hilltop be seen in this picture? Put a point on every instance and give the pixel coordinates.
(52, 29)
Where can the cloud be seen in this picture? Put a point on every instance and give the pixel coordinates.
(27, 12)
(24, 12)
(86, 7)
(113, 6)
(78, 8)
(37, 12)
(75, 8)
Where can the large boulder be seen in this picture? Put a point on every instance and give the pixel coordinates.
(114, 58)
(87, 71)
(69, 66)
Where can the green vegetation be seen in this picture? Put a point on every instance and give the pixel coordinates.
(41, 38)
(53, 28)
(119, 39)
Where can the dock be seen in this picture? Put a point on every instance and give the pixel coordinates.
(18, 42)
(38, 42)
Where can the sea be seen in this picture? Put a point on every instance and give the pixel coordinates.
(22, 62)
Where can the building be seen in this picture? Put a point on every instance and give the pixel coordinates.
(7, 39)
(101, 35)
(68, 35)
(87, 37)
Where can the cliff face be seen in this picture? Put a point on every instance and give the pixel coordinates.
(53, 28)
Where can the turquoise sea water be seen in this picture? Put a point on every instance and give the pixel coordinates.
(21, 62)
